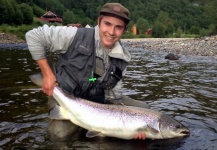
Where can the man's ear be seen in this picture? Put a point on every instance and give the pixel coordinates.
(98, 21)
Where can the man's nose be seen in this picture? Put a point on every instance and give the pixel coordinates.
(112, 30)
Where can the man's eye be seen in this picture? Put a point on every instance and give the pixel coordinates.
(119, 27)
(107, 23)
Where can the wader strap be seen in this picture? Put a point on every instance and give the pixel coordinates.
(99, 67)
(51, 62)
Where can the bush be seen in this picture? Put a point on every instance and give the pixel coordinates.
(128, 36)
(19, 31)
(142, 36)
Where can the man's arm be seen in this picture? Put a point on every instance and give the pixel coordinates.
(51, 38)
(49, 79)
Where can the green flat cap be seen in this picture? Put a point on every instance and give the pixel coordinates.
(116, 9)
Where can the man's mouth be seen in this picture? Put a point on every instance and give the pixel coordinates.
(109, 37)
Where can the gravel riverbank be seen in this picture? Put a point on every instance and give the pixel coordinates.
(6, 38)
(205, 46)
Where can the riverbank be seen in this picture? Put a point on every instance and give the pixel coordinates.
(205, 46)
(6, 38)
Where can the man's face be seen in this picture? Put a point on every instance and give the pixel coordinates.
(110, 30)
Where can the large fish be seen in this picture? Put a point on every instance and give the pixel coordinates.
(118, 121)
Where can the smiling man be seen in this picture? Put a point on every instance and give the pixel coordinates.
(90, 65)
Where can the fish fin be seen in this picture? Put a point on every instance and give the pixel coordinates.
(152, 130)
(91, 134)
(37, 79)
(138, 108)
(57, 112)
(147, 129)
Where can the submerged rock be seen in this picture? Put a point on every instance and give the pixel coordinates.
(172, 56)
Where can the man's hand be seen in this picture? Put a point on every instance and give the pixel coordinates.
(140, 136)
(48, 84)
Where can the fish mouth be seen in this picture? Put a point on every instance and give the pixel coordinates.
(185, 132)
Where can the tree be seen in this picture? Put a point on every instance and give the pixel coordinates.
(211, 11)
(18, 16)
(195, 30)
(27, 13)
(10, 12)
(142, 25)
(163, 17)
(163, 25)
(179, 32)
(91, 12)
(171, 13)
(86, 21)
(38, 11)
(158, 30)
(69, 17)
(170, 29)
(3, 12)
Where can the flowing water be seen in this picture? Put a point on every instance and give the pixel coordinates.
(185, 89)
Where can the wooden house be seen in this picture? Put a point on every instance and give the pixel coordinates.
(51, 17)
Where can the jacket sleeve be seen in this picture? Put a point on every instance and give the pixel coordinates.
(52, 38)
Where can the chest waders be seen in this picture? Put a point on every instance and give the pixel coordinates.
(75, 69)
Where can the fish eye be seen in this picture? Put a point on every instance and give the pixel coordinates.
(171, 125)
(178, 126)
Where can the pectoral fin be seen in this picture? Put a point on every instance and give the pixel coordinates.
(37, 79)
(91, 134)
(57, 112)
(152, 130)
(148, 129)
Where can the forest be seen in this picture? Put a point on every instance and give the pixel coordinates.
(165, 17)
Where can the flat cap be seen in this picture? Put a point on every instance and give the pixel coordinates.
(116, 9)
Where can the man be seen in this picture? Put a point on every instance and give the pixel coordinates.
(91, 62)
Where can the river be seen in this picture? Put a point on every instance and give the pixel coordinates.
(185, 89)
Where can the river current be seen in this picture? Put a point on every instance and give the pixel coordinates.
(185, 89)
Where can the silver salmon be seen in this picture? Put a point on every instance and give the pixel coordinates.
(118, 121)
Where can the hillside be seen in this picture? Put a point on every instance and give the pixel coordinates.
(165, 17)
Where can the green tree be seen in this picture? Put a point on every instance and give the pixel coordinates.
(194, 30)
(170, 29)
(158, 30)
(211, 11)
(18, 16)
(51, 5)
(171, 13)
(163, 17)
(18, 19)
(38, 11)
(163, 23)
(10, 12)
(69, 17)
(27, 13)
(91, 12)
(3, 12)
(86, 21)
(179, 32)
(142, 25)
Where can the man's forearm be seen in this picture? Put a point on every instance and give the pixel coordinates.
(49, 79)
(45, 68)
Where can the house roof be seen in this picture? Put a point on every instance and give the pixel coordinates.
(50, 14)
